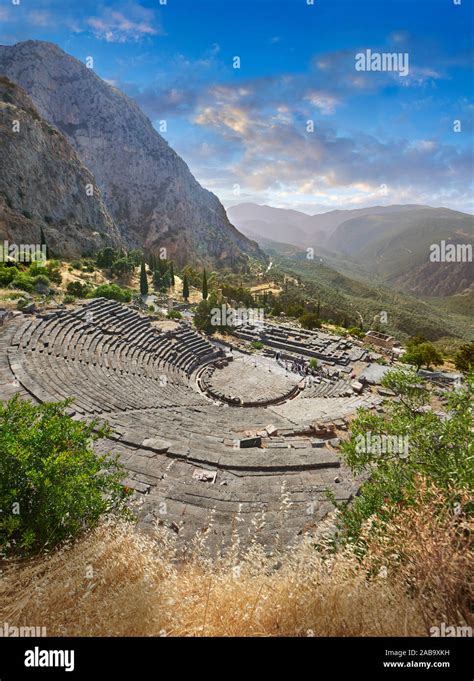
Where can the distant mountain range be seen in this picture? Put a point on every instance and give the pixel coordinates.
(391, 243)
(146, 189)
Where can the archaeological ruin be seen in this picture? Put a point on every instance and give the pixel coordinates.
(211, 436)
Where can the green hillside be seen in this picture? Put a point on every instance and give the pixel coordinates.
(345, 299)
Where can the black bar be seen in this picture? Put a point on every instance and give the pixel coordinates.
(323, 658)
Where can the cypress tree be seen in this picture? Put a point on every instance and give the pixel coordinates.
(43, 244)
(185, 288)
(204, 286)
(143, 280)
(172, 274)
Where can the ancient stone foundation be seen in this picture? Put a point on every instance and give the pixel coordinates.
(259, 471)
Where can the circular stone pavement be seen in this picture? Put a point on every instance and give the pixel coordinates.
(247, 381)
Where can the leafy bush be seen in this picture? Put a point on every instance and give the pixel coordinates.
(423, 354)
(238, 294)
(355, 331)
(23, 282)
(174, 314)
(135, 256)
(7, 275)
(310, 321)
(439, 450)
(105, 257)
(257, 345)
(295, 311)
(464, 358)
(41, 279)
(68, 299)
(203, 316)
(53, 270)
(111, 292)
(52, 484)
(78, 289)
(122, 266)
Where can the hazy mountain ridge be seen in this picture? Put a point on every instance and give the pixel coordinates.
(282, 224)
(397, 248)
(391, 243)
(43, 184)
(149, 190)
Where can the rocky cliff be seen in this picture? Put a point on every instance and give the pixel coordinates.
(43, 184)
(150, 192)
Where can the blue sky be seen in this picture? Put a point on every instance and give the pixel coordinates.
(378, 138)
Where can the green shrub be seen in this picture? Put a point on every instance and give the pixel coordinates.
(310, 321)
(464, 358)
(111, 292)
(78, 289)
(203, 316)
(8, 274)
(37, 268)
(423, 354)
(53, 271)
(122, 266)
(438, 449)
(355, 331)
(52, 484)
(257, 345)
(68, 299)
(107, 256)
(41, 279)
(295, 311)
(23, 282)
(174, 314)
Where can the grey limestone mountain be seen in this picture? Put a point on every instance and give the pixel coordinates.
(149, 190)
(43, 184)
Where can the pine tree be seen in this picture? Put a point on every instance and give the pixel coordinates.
(172, 274)
(143, 280)
(204, 286)
(185, 288)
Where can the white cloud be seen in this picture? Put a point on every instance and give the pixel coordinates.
(127, 23)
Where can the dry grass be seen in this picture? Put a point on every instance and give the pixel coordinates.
(117, 581)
